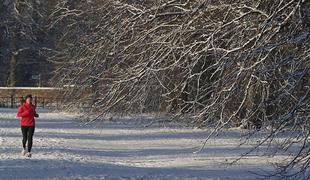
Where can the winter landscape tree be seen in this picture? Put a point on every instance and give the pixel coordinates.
(217, 63)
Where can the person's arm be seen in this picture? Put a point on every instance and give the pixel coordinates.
(22, 112)
(35, 112)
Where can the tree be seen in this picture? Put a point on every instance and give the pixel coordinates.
(220, 63)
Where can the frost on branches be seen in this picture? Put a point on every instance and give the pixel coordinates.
(217, 63)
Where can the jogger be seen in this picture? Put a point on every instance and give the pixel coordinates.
(27, 112)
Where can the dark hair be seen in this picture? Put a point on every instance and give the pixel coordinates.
(28, 96)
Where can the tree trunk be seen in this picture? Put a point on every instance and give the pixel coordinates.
(13, 64)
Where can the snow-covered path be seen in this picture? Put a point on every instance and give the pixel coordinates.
(63, 149)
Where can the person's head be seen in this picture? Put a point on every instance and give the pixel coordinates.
(29, 99)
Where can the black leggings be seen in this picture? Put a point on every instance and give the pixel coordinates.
(28, 132)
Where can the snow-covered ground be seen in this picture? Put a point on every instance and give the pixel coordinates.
(64, 148)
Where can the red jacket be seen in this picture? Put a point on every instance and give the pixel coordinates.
(27, 113)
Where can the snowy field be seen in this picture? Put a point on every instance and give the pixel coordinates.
(64, 148)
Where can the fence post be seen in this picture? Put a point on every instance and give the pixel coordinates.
(12, 101)
(35, 101)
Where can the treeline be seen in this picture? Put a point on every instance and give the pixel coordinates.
(234, 62)
(223, 62)
(24, 39)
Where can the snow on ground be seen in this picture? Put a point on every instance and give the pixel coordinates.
(65, 148)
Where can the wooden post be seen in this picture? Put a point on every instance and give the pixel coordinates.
(35, 101)
(12, 101)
